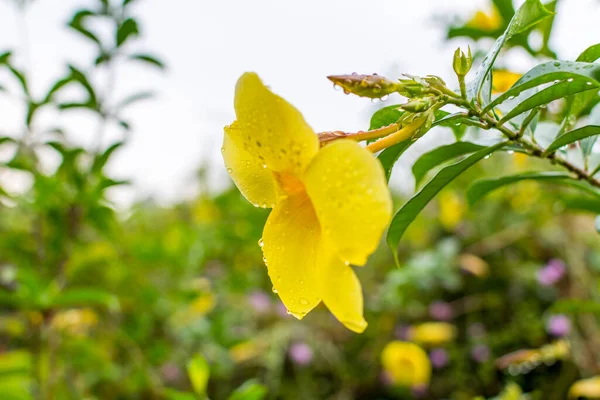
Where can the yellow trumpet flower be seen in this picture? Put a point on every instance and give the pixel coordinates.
(503, 80)
(486, 21)
(406, 364)
(588, 388)
(330, 204)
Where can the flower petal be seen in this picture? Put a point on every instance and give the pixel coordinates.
(255, 182)
(349, 192)
(342, 294)
(271, 129)
(291, 246)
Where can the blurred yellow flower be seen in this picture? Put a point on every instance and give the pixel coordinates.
(452, 209)
(75, 321)
(588, 388)
(503, 80)
(486, 21)
(520, 160)
(244, 351)
(474, 265)
(432, 333)
(330, 205)
(406, 364)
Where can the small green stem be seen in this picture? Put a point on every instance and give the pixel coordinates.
(463, 87)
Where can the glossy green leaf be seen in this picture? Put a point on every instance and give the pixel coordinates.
(413, 207)
(249, 390)
(199, 371)
(440, 155)
(389, 156)
(590, 54)
(550, 72)
(573, 136)
(483, 187)
(529, 14)
(385, 116)
(551, 93)
(128, 29)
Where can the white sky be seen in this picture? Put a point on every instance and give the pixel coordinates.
(293, 45)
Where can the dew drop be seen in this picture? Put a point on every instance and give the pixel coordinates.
(303, 301)
(346, 263)
(557, 64)
(229, 170)
(570, 80)
(511, 97)
(265, 260)
(589, 83)
(336, 87)
(354, 73)
(274, 290)
(511, 152)
(384, 98)
(486, 157)
(265, 166)
(222, 149)
(260, 242)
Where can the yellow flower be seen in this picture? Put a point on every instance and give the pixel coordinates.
(330, 204)
(406, 364)
(452, 209)
(589, 388)
(75, 321)
(486, 21)
(432, 333)
(503, 80)
(244, 351)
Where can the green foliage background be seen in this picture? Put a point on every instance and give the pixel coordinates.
(174, 302)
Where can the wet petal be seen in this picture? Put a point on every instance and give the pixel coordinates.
(342, 294)
(271, 129)
(291, 241)
(349, 192)
(254, 182)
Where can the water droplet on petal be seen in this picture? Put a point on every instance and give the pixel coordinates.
(274, 290)
(303, 301)
(346, 262)
(260, 242)
(264, 165)
(229, 170)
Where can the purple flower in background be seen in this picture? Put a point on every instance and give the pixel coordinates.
(438, 357)
(171, 372)
(281, 310)
(559, 325)
(551, 273)
(301, 353)
(260, 302)
(441, 311)
(480, 353)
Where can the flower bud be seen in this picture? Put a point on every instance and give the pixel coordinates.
(462, 63)
(419, 105)
(372, 86)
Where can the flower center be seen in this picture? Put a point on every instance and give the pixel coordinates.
(289, 184)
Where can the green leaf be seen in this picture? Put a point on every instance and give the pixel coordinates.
(483, 187)
(551, 93)
(86, 297)
(5, 57)
(56, 87)
(385, 116)
(199, 372)
(172, 394)
(529, 14)
(413, 207)
(249, 390)
(549, 72)
(590, 54)
(22, 80)
(101, 159)
(440, 155)
(573, 136)
(148, 59)
(81, 77)
(128, 28)
(389, 156)
(581, 203)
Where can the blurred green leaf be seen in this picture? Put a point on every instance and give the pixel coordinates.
(172, 394)
(101, 159)
(5, 57)
(529, 14)
(129, 100)
(483, 187)
(573, 136)
(21, 78)
(77, 24)
(199, 371)
(148, 59)
(575, 306)
(128, 29)
(249, 390)
(409, 211)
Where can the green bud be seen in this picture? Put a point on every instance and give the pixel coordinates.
(462, 63)
(371, 86)
(419, 105)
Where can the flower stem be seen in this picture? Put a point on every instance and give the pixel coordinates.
(397, 137)
(326, 137)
